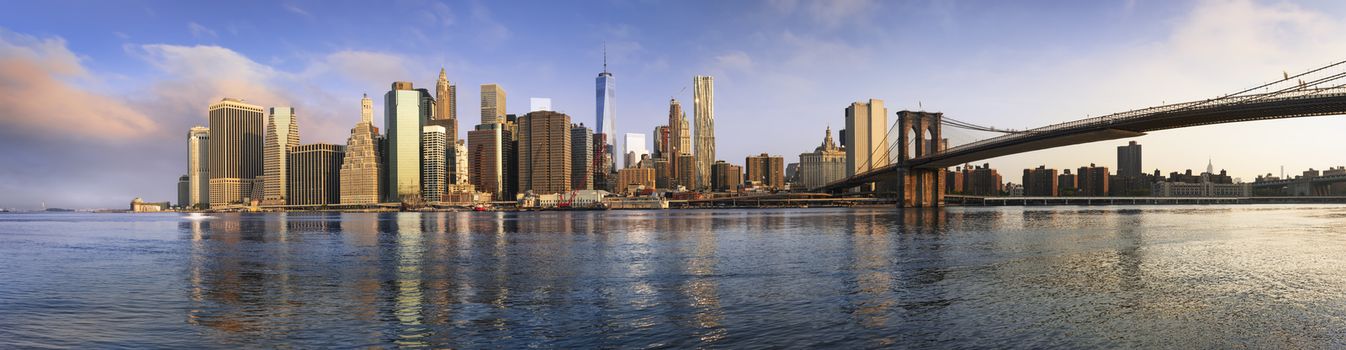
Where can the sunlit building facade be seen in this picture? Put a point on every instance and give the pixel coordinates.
(235, 150)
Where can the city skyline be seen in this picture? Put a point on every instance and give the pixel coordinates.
(152, 83)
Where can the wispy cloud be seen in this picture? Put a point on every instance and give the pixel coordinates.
(295, 9)
(200, 32)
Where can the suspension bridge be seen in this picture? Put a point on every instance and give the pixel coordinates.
(921, 158)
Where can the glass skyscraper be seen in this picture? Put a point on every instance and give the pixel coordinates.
(406, 112)
(605, 93)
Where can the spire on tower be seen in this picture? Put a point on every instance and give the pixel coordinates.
(605, 57)
(442, 76)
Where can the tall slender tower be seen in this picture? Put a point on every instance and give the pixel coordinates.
(446, 106)
(235, 150)
(361, 171)
(704, 102)
(492, 104)
(282, 135)
(605, 93)
(198, 167)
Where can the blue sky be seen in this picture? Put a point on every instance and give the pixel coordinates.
(97, 96)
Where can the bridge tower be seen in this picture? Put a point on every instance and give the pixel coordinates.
(919, 136)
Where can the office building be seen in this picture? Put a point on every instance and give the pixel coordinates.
(458, 161)
(406, 111)
(1092, 181)
(544, 153)
(362, 169)
(434, 162)
(603, 163)
(766, 169)
(1128, 160)
(184, 191)
(604, 96)
(703, 93)
(866, 139)
(487, 153)
(827, 163)
(634, 148)
(282, 134)
(235, 151)
(315, 174)
(492, 104)
(581, 157)
(446, 115)
(1040, 182)
(680, 143)
(198, 167)
(660, 149)
(630, 180)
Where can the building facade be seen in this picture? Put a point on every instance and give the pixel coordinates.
(544, 153)
(703, 95)
(446, 115)
(434, 162)
(1092, 181)
(581, 157)
(184, 191)
(1066, 184)
(486, 149)
(362, 169)
(827, 163)
(605, 94)
(282, 135)
(406, 111)
(235, 151)
(1128, 160)
(866, 139)
(631, 179)
(1040, 182)
(198, 167)
(315, 174)
(726, 177)
(492, 104)
(769, 170)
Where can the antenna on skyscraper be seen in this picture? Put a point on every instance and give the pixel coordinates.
(605, 56)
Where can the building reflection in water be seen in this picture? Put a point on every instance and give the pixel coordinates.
(871, 262)
(409, 299)
(238, 285)
(701, 287)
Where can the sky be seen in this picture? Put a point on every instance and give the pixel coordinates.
(96, 96)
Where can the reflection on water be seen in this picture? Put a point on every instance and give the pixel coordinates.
(1071, 277)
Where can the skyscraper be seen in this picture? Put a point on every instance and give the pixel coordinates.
(235, 150)
(544, 152)
(184, 191)
(581, 157)
(704, 101)
(604, 95)
(1128, 160)
(825, 164)
(282, 135)
(446, 114)
(315, 174)
(725, 177)
(434, 164)
(487, 149)
(634, 145)
(198, 167)
(660, 149)
(459, 161)
(361, 170)
(866, 136)
(406, 111)
(492, 104)
(677, 127)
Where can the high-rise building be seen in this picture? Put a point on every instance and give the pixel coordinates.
(459, 161)
(686, 172)
(1092, 181)
(184, 191)
(544, 153)
(581, 157)
(492, 104)
(1040, 182)
(725, 177)
(235, 150)
(603, 168)
(446, 113)
(1128, 160)
(982, 181)
(634, 146)
(660, 142)
(630, 179)
(282, 135)
(680, 140)
(539, 104)
(406, 111)
(604, 96)
(361, 170)
(1065, 183)
(434, 165)
(703, 94)
(198, 167)
(827, 163)
(866, 136)
(765, 169)
(487, 149)
(315, 174)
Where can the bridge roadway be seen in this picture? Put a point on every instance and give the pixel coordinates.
(1312, 180)
(1010, 201)
(1303, 103)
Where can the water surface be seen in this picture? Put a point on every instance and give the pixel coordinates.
(1063, 277)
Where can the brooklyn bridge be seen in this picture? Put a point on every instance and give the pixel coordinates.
(917, 158)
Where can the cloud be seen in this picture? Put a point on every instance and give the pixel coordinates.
(36, 95)
(200, 32)
(367, 67)
(734, 60)
(489, 30)
(829, 14)
(295, 9)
